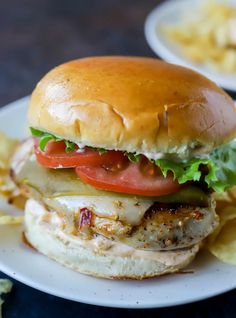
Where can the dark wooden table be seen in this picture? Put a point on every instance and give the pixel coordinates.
(37, 35)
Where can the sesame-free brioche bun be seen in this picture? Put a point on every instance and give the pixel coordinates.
(133, 104)
(44, 233)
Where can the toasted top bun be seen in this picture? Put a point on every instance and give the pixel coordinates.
(133, 104)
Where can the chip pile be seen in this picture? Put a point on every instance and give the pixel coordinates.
(7, 187)
(207, 36)
(222, 243)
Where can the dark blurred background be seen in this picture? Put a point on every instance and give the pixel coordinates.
(37, 35)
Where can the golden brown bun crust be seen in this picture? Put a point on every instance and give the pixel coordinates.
(132, 103)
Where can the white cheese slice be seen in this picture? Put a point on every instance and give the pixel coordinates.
(129, 210)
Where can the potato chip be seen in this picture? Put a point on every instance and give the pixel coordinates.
(10, 219)
(226, 213)
(18, 201)
(222, 242)
(7, 187)
(222, 197)
(224, 245)
(7, 147)
(232, 193)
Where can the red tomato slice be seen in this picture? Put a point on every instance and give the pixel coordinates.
(55, 156)
(131, 180)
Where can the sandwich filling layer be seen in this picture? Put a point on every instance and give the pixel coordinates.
(164, 223)
(98, 244)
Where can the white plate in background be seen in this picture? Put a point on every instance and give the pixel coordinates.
(209, 277)
(170, 12)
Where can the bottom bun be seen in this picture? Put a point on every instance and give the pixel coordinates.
(99, 256)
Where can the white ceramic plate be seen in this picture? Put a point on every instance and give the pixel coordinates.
(210, 277)
(170, 12)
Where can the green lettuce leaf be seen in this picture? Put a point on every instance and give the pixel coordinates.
(45, 137)
(218, 171)
(224, 158)
(101, 151)
(133, 157)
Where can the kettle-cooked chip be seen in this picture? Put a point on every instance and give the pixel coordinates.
(10, 219)
(7, 146)
(207, 36)
(224, 245)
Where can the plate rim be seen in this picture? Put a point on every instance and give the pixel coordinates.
(163, 51)
(105, 302)
(14, 104)
(151, 305)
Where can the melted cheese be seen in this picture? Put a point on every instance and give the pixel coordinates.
(129, 210)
